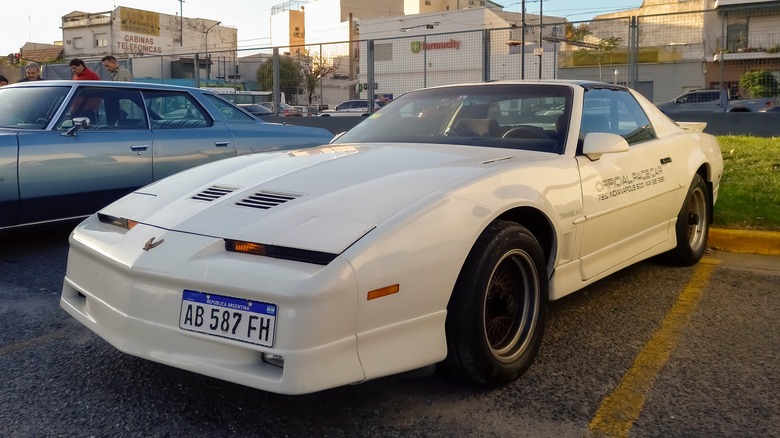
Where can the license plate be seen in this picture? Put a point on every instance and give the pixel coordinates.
(227, 317)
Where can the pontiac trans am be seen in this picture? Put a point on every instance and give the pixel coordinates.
(435, 231)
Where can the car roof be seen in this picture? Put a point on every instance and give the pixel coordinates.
(105, 84)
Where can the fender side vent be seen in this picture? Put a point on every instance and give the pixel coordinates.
(266, 199)
(213, 192)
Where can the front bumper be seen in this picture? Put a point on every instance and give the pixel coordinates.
(132, 297)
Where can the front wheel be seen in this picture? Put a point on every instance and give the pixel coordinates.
(692, 225)
(497, 312)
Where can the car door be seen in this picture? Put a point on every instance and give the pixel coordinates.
(72, 171)
(628, 197)
(185, 134)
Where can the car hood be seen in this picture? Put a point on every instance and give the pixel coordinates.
(320, 199)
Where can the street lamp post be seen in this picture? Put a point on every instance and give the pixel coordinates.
(208, 60)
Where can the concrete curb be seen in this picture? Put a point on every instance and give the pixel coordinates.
(745, 241)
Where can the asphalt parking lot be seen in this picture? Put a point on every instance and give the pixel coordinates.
(649, 351)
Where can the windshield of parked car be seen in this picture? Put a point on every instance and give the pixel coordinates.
(515, 116)
(29, 107)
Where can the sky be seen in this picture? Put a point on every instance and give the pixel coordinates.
(39, 21)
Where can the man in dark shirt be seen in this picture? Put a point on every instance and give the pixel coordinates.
(81, 72)
(33, 72)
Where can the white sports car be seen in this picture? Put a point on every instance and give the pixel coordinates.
(437, 230)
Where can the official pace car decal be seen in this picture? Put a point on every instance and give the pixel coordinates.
(621, 184)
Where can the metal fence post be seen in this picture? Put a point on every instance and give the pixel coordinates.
(196, 69)
(277, 81)
(522, 41)
(370, 75)
(633, 51)
(485, 55)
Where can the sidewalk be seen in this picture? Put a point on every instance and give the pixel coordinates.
(745, 241)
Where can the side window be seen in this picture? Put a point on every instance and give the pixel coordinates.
(175, 109)
(344, 106)
(106, 108)
(616, 112)
(89, 103)
(229, 111)
(131, 113)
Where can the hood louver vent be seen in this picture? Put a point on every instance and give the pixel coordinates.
(213, 192)
(265, 200)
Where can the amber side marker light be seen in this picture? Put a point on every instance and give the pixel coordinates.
(383, 292)
(245, 247)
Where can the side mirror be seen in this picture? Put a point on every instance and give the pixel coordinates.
(598, 143)
(82, 122)
(78, 123)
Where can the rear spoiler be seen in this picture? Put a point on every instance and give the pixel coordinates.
(692, 126)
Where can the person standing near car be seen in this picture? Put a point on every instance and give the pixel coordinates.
(118, 72)
(81, 72)
(32, 72)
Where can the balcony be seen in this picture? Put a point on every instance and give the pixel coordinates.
(87, 21)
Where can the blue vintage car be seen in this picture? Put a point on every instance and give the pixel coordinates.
(68, 148)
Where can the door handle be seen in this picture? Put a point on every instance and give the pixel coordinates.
(666, 160)
(139, 147)
(221, 144)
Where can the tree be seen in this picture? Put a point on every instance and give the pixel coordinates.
(599, 51)
(759, 83)
(314, 67)
(577, 33)
(289, 75)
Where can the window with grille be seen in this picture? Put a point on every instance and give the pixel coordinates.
(101, 40)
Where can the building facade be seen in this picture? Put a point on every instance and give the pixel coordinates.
(155, 45)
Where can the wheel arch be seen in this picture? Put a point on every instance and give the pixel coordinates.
(539, 225)
(704, 171)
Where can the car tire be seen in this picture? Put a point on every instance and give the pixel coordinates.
(692, 227)
(497, 313)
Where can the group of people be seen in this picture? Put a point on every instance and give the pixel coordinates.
(80, 71)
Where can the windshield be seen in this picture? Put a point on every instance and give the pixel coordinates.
(515, 116)
(29, 107)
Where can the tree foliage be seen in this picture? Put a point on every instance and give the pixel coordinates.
(759, 83)
(577, 33)
(600, 51)
(289, 75)
(314, 67)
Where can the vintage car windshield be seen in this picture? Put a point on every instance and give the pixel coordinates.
(29, 107)
(516, 116)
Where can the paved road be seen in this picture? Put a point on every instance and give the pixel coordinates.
(718, 376)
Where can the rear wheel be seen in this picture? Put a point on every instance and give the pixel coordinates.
(692, 225)
(497, 312)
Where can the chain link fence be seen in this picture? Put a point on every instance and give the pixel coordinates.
(661, 56)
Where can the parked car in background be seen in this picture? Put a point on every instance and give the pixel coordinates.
(349, 108)
(711, 101)
(417, 237)
(307, 111)
(284, 110)
(256, 109)
(68, 148)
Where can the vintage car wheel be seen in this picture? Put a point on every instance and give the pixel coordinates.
(692, 225)
(497, 311)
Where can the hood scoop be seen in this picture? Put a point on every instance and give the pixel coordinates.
(265, 199)
(213, 192)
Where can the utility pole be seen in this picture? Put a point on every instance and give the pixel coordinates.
(181, 22)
